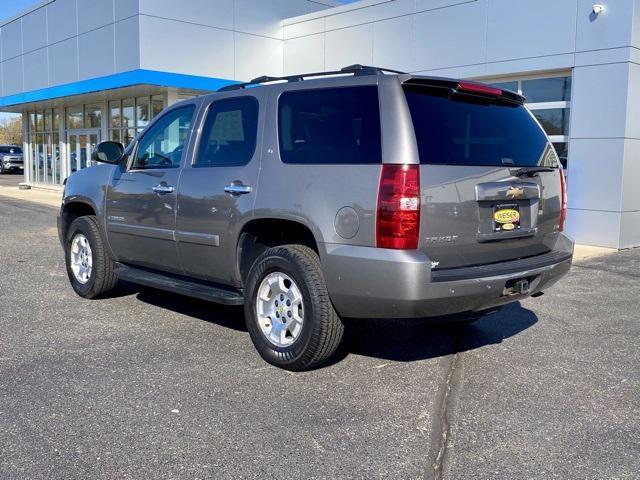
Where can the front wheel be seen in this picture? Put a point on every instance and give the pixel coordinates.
(89, 267)
(289, 315)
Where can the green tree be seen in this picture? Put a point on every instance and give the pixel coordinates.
(11, 132)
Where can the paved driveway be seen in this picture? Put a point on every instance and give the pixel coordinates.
(153, 385)
(11, 179)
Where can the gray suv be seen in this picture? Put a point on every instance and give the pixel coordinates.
(11, 159)
(309, 199)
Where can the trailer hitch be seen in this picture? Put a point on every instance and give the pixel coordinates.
(517, 287)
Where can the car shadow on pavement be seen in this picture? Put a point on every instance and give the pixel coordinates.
(225, 316)
(411, 340)
(397, 340)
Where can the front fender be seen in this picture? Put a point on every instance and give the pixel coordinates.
(89, 187)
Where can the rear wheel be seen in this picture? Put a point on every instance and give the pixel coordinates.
(289, 315)
(89, 267)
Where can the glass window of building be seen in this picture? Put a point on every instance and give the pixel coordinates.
(48, 120)
(549, 99)
(44, 152)
(93, 116)
(540, 90)
(39, 121)
(143, 106)
(157, 104)
(562, 150)
(75, 117)
(513, 86)
(115, 114)
(128, 112)
(555, 121)
(129, 116)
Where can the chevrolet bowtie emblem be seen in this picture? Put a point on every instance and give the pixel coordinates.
(515, 192)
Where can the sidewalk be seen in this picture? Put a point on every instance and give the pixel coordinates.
(582, 252)
(51, 198)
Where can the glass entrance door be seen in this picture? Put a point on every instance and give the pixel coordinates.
(81, 145)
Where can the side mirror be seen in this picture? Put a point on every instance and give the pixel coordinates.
(108, 152)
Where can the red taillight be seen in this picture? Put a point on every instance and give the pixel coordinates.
(398, 220)
(478, 88)
(563, 199)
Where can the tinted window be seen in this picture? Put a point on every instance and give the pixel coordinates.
(162, 145)
(332, 125)
(463, 131)
(229, 133)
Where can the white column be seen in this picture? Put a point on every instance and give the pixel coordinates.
(64, 157)
(104, 130)
(26, 147)
(170, 96)
(604, 146)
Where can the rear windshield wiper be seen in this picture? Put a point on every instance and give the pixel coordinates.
(531, 171)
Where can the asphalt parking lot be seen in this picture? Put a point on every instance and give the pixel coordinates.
(154, 385)
(11, 179)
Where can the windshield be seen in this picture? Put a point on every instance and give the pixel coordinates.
(11, 150)
(467, 130)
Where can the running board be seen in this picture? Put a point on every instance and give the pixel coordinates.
(178, 285)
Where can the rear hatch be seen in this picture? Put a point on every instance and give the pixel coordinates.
(489, 178)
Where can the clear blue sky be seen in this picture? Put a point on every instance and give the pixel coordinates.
(8, 8)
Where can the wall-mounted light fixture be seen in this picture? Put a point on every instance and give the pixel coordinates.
(598, 8)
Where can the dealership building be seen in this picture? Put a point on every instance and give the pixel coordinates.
(83, 71)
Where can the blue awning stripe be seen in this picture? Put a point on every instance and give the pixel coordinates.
(118, 80)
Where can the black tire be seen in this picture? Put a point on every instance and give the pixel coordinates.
(322, 329)
(102, 280)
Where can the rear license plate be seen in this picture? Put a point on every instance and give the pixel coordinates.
(506, 218)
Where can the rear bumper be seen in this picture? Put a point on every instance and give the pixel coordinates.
(378, 283)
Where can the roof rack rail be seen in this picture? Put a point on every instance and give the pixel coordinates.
(355, 70)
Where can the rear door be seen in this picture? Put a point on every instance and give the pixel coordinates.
(218, 188)
(484, 198)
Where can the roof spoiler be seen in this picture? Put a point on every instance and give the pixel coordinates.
(464, 87)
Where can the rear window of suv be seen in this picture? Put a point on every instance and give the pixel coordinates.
(466, 130)
(330, 125)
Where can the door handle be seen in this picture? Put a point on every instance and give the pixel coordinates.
(235, 189)
(163, 188)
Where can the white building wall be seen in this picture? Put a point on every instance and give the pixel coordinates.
(231, 39)
(65, 41)
(491, 38)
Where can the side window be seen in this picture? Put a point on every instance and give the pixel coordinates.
(162, 145)
(229, 133)
(330, 125)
